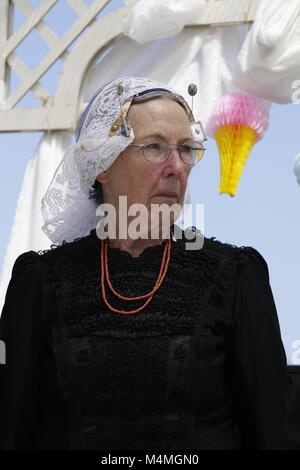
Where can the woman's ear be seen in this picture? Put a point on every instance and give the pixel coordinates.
(102, 177)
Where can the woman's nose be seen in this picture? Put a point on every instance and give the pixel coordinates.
(174, 160)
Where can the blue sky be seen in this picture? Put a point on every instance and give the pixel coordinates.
(264, 214)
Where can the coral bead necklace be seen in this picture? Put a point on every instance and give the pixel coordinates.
(105, 277)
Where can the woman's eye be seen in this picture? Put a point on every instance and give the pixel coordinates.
(154, 146)
(186, 148)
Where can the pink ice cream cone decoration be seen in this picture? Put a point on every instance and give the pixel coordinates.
(238, 121)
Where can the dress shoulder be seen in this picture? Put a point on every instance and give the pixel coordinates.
(23, 276)
(246, 256)
(30, 296)
(24, 264)
(255, 261)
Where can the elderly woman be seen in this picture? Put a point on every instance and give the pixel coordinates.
(120, 341)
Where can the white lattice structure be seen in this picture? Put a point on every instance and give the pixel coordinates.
(60, 112)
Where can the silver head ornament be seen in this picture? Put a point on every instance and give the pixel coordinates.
(197, 126)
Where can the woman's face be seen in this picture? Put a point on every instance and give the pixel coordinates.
(156, 120)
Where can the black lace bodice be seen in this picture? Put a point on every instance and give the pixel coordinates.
(177, 375)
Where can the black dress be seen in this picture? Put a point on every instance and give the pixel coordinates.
(201, 367)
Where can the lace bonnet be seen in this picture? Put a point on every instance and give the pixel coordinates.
(103, 132)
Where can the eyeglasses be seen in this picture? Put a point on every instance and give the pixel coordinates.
(190, 153)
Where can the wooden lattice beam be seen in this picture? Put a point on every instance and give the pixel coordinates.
(79, 6)
(227, 13)
(23, 71)
(4, 30)
(46, 33)
(56, 52)
(37, 15)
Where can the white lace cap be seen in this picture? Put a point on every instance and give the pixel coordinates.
(67, 208)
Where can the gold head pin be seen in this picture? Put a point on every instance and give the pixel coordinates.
(120, 89)
(121, 118)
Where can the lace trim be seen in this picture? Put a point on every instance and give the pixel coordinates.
(58, 245)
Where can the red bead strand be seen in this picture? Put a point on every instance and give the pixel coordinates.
(105, 276)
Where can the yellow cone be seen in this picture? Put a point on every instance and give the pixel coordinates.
(235, 142)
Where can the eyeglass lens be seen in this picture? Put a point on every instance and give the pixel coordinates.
(189, 153)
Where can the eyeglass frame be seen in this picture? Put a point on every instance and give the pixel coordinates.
(168, 151)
